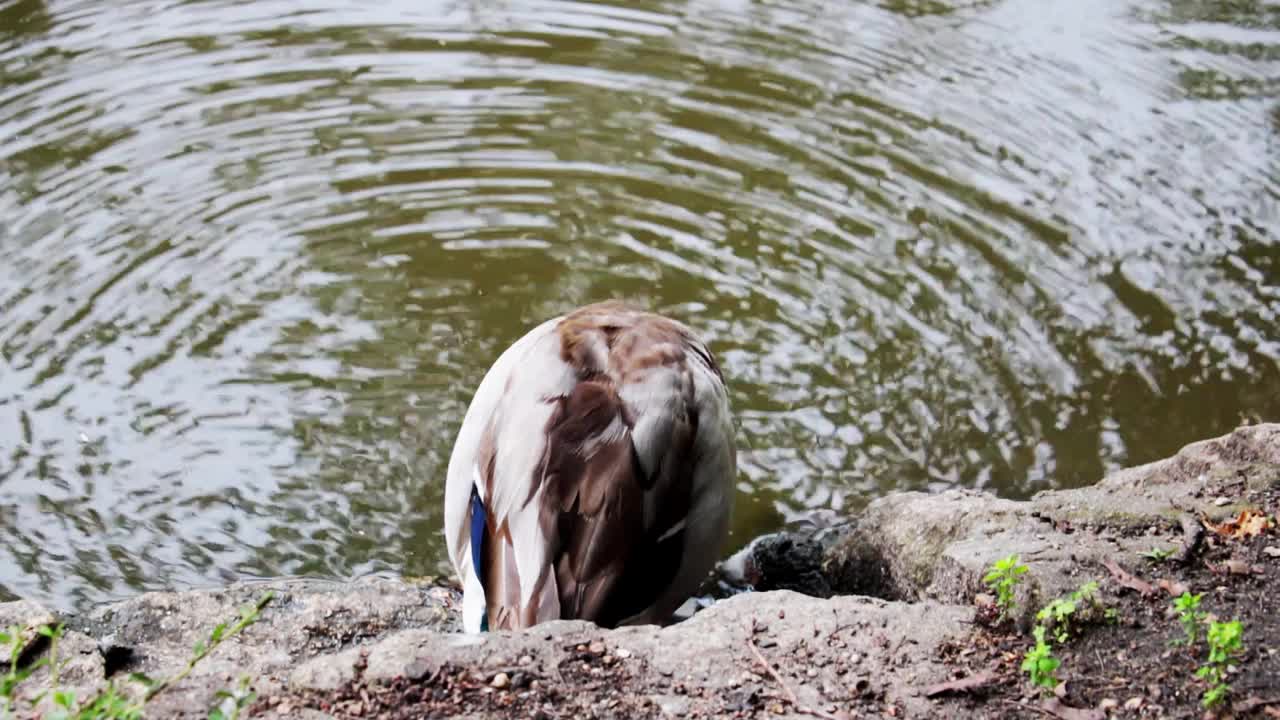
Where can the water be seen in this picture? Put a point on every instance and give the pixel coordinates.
(253, 258)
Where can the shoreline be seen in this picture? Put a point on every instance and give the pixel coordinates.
(906, 575)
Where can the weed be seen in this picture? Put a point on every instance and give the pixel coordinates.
(1190, 615)
(1039, 662)
(111, 703)
(1003, 578)
(12, 639)
(233, 702)
(1157, 555)
(1059, 613)
(1226, 640)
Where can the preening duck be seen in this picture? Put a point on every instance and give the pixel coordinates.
(593, 474)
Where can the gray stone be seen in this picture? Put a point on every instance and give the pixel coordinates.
(672, 706)
(938, 546)
(24, 618)
(915, 561)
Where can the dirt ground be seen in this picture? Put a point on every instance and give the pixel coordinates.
(1123, 662)
(1135, 665)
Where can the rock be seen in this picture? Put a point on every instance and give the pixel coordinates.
(938, 546)
(916, 559)
(27, 617)
(154, 633)
(672, 706)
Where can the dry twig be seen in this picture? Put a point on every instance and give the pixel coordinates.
(791, 695)
(1127, 580)
(980, 681)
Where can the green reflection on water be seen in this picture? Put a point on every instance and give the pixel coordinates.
(254, 262)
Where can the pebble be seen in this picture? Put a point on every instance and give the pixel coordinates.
(1221, 501)
(1271, 551)
(596, 647)
(1133, 703)
(500, 681)
(811, 672)
(622, 653)
(1108, 704)
(525, 659)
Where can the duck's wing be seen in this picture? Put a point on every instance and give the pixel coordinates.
(639, 475)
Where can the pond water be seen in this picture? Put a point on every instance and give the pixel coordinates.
(254, 258)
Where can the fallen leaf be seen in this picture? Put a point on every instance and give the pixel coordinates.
(1061, 710)
(961, 685)
(1173, 587)
(1239, 567)
(1127, 580)
(1248, 523)
(1253, 702)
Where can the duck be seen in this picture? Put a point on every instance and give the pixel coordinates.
(592, 477)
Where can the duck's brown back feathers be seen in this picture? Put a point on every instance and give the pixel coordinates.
(624, 468)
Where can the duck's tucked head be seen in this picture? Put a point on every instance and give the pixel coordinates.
(592, 477)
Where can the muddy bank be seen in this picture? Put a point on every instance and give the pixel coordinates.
(903, 576)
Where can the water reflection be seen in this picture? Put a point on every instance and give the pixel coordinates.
(253, 263)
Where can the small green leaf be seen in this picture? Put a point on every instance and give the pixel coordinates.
(142, 678)
(216, 714)
(64, 698)
(198, 648)
(216, 636)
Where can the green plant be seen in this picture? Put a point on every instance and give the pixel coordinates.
(232, 702)
(111, 703)
(1158, 555)
(1003, 578)
(1039, 662)
(1058, 613)
(1190, 615)
(1226, 640)
(11, 640)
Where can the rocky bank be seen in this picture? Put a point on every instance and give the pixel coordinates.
(890, 614)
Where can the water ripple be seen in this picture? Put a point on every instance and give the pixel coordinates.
(253, 258)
